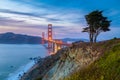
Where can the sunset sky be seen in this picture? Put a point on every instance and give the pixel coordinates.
(31, 17)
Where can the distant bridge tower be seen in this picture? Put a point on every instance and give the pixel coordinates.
(50, 38)
(43, 37)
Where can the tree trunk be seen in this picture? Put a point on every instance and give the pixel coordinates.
(95, 38)
(91, 37)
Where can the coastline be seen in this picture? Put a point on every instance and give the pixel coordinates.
(21, 71)
(13, 61)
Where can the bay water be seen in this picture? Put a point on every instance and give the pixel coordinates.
(15, 59)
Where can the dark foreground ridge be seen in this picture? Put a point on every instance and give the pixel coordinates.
(81, 61)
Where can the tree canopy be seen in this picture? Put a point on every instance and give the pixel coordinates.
(97, 23)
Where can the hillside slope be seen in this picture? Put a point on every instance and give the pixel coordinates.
(106, 68)
(81, 61)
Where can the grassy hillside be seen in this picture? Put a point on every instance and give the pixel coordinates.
(106, 67)
(81, 61)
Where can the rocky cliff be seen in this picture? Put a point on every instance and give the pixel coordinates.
(68, 61)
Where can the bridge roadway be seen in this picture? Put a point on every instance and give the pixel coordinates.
(53, 44)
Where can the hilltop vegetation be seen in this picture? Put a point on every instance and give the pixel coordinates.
(97, 23)
(105, 68)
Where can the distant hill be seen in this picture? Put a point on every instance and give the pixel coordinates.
(12, 38)
(74, 40)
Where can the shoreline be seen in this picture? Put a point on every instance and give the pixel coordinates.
(21, 71)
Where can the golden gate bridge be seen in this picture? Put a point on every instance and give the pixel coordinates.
(53, 45)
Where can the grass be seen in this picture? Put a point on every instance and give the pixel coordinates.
(106, 68)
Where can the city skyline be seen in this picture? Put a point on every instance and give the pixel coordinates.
(32, 17)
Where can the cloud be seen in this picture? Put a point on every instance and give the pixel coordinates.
(63, 23)
(22, 13)
(8, 24)
(33, 16)
(36, 13)
(5, 21)
(53, 20)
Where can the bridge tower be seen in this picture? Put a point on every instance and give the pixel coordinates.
(43, 37)
(50, 38)
(53, 45)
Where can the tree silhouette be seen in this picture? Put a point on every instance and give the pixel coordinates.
(97, 23)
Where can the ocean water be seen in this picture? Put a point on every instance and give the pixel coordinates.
(14, 59)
